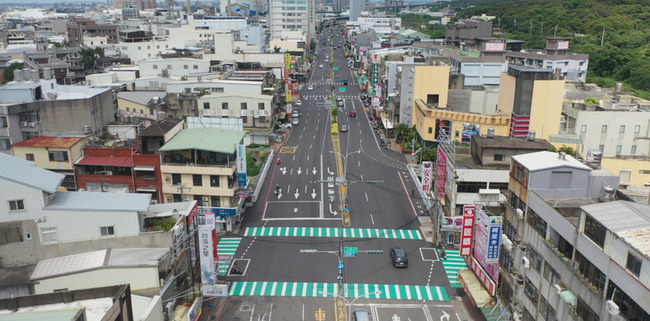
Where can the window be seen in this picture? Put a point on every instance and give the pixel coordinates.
(217, 90)
(430, 130)
(195, 66)
(603, 129)
(141, 111)
(637, 129)
(150, 111)
(537, 223)
(48, 234)
(621, 129)
(594, 231)
(244, 119)
(215, 201)
(128, 109)
(176, 179)
(546, 310)
(244, 106)
(3, 121)
(550, 274)
(214, 180)
(4, 144)
(58, 156)
(589, 271)
(206, 105)
(499, 186)
(585, 312)
(224, 105)
(499, 157)
(169, 66)
(619, 148)
(186, 67)
(16, 205)
(260, 106)
(30, 157)
(107, 230)
(583, 128)
(519, 174)
(633, 264)
(535, 260)
(531, 291)
(470, 187)
(633, 150)
(197, 180)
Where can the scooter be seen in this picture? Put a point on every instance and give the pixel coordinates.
(443, 254)
(278, 161)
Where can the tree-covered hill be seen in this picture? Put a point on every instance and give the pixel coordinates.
(615, 33)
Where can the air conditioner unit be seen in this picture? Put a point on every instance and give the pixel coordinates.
(109, 173)
(32, 125)
(520, 213)
(506, 242)
(206, 199)
(557, 288)
(167, 178)
(523, 247)
(517, 316)
(153, 202)
(169, 199)
(526, 262)
(23, 124)
(612, 308)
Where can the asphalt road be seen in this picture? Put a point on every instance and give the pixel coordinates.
(383, 215)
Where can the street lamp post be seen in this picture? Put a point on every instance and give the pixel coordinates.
(345, 173)
(351, 303)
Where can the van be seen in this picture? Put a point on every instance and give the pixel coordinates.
(361, 315)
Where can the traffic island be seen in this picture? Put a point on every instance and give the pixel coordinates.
(336, 142)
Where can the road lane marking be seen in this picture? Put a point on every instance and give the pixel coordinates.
(366, 196)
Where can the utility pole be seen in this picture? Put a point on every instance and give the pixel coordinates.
(602, 38)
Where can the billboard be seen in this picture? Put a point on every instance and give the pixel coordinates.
(451, 223)
(442, 172)
(192, 226)
(562, 45)
(206, 254)
(470, 129)
(469, 214)
(427, 176)
(487, 242)
(242, 189)
(495, 46)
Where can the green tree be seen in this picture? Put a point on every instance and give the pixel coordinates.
(9, 71)
(566, 149)
(310, 58)
(429, 154)
(401, 133)
(89, 57)
(592, 101)
(334, 111)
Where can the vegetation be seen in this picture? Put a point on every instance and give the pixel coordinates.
(592, 101)
(568, 150)
(310, 58)
(160, 223)
(9, 71)
(254, 161)
(615, 33)
(421, 24)
(89, 57)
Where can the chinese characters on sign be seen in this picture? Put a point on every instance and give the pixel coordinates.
(442, 172)
(469, 213)
(427, 176)
(487, 239)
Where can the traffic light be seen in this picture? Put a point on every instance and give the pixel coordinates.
(375, 252)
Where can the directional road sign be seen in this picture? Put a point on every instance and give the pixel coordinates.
(341, 266)
(335, 68)
(342, 89)
(350, 251)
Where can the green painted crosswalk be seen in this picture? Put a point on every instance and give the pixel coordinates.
(452, 265)
(328, 290)
(227, 246)
(334, 232)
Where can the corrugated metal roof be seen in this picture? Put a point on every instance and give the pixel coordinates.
(160, 128)
(50, 141)
(628, 220)
(141, 97)
(208, 139)
(23, 172)
(53, 315)
(69, 264)
(106, 160)
(92, 201)
(545, 160)
(136, 256)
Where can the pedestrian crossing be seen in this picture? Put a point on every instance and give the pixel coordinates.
(334, 232)
(330, 290)
(452, 265)
(227, 246)
(317, 97)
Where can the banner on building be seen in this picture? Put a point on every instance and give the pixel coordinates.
(487, 242)
(206, 255)
(427, 176)
(442, 172)
(467, 235)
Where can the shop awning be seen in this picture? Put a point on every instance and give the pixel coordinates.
(147, 189)
(145, 168)
(387, 123)
(106, 161)
(474, 288)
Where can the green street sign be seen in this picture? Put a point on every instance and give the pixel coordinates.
(335, 68)
(350, 251)
(342, 89)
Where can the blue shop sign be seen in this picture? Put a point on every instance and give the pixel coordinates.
(223, 211)
(241, 179)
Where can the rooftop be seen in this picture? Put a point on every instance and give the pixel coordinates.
(95, 202)
(141, 97)
(628, 220)
(50, 141)
(95, 310)
(511, 143)
(160, 128)
(24, 172)
(547, 160)
(208, 139)
(70, 264)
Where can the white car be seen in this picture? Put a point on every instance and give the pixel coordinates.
(295, 121)
(310, 87)
(298, 103)
(321, 65)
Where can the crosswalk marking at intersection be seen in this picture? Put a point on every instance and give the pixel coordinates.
(452, 265)
(334, 232)
(227, 246)
(329, 290)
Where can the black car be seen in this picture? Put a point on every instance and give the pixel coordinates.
(399, 258)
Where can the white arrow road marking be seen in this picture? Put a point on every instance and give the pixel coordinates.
(297, 194)
(445, 316)
(333, 212)
(331, 198)
(283, 170)
(328, 171)
(280, 195)
(299, 171)
(313, 193)
(314, 170)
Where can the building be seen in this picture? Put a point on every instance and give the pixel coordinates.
(255, 110)
(492, 150)
(200, 165)
(140, 4)
(569, 250)
(62, 64)
(356, 6)
(466, 33)
(572, 66)
(80, 28)
(533, 97)
(292, 23)
(141, 107)
(56, 154)
(381, 24)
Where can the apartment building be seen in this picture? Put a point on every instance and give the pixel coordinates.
(570, 251)
(571, 66)
(200, 165)
(292, 23)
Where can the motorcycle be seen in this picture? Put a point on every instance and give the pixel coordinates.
(278, 161)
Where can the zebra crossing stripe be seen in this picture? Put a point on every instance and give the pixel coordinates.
(331, 232)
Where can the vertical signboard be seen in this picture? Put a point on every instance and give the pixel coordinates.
(442, 172)
(241, 171)
(469, 214)
(287, 80)
(427, 176)
(487, 241)
(192, 227)
(208, 273)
